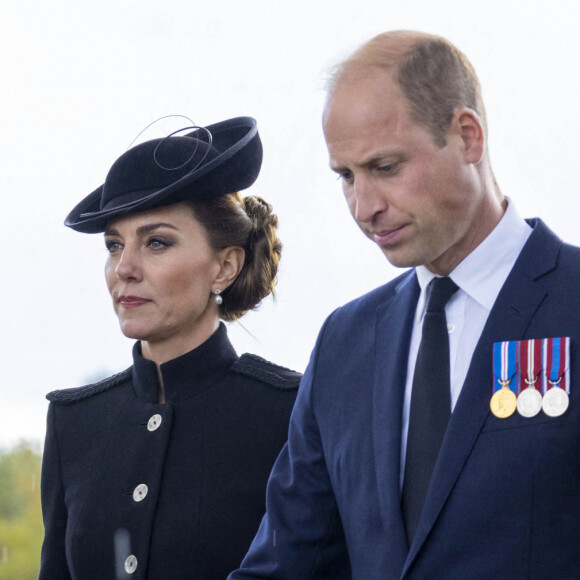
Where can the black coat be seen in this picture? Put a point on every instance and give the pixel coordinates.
(135, 489)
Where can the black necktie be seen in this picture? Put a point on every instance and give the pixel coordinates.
(430, 403)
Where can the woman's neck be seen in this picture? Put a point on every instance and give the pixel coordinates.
(162, 351)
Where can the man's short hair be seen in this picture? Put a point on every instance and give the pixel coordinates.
(433, 75)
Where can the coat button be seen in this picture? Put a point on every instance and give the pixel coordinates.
(130, 564)
(154, 422)
(140, 492)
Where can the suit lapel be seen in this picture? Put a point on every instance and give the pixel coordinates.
(394, 323)
(509, 318)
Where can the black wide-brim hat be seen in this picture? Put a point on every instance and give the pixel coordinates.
(222, 158)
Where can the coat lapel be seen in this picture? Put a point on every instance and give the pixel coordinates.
(394, 323)
(510, 316)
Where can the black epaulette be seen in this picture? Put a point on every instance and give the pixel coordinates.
(69, 396)
(256, 367)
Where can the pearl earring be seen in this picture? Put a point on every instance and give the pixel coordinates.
(218, 299)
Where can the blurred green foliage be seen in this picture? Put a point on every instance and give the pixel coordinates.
(21, 529)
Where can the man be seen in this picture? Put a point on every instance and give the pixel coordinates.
(386, 475)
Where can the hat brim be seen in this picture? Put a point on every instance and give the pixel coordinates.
(235, 168)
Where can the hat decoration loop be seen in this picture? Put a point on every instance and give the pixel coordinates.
(195, 128)
(176, 115)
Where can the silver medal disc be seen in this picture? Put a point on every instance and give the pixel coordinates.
(555, 402)
(529, 402)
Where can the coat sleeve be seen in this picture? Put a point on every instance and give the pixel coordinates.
(301, 534)
(53, 565)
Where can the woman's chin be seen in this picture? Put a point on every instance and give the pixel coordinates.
(136, 332)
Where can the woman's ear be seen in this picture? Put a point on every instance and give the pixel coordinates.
(231, 262)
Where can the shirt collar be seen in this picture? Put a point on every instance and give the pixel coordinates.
(483, 272)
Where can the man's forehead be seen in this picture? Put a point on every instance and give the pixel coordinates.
(359, 75)
(360, 101)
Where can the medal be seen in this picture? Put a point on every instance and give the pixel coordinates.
(530, 364)
(555, 402)
(556, 384)
(529, 402)
(503, 402)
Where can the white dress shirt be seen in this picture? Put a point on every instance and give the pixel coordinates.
(480, 277)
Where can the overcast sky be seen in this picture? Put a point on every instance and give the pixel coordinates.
(80, 79)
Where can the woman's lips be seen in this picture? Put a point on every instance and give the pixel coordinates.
(132, 301)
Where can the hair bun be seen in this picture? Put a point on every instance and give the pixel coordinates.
(264, 226)
(257, 208)
(248, 222)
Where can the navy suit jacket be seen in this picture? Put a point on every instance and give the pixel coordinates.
(504, 499)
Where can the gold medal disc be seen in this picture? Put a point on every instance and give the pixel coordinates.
(503, 403)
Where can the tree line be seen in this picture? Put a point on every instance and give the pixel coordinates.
(21, 529)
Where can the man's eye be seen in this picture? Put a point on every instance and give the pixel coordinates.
(345, 175)
(388, 168)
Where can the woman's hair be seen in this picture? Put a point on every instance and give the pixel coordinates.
(248, 222)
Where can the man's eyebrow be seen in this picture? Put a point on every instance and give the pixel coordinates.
(142, 230)
(337, 168)
(375, 160)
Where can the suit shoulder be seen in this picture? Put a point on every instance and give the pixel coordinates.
(70, 396)
(571, 251)
(373, 298)
(255, 367)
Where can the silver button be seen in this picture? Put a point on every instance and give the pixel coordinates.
(154, 422)
(130, 564)
(450, 328)
(140, 492)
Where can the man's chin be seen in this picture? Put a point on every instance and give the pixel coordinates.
(400, 259)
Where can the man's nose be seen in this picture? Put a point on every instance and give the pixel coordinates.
(369, 200)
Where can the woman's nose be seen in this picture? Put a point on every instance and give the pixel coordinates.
(128, 267)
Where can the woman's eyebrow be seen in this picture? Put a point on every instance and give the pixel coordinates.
(142, 230)
(151, 227)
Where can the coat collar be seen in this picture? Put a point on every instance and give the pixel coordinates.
(186, 375)
(394, 323)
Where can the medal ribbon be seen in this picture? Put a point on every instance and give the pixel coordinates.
(557, 363)
(504, 364)
(530, 364)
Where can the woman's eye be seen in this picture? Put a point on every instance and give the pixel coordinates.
(158, 244)
(112, 246)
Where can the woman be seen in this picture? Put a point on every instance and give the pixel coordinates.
(159, 472)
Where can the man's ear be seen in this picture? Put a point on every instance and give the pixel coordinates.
(469, 127)
(231, 261)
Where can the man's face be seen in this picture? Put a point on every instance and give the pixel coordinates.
(420, 203)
